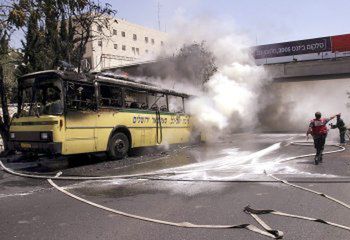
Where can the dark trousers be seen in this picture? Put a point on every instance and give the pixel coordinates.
(319, 142)
(342, 136)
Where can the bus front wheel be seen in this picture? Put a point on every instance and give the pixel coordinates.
(119, 146)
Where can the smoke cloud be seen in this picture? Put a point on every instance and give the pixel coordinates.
(292, 104)
(230, 98)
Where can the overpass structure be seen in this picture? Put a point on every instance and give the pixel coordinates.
(288, 71)
(310, 70)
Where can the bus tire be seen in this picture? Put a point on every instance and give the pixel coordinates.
(119, 146)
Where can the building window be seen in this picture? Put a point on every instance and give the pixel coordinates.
(134, 37)
(99, 43)
(146, 51)
(123, 34)
(133, 50)
(116, 46)
(99, 28)
(137, 51)
(152, 41)
(146, 39)
(161, 43)
(115, 32)
(124, 48)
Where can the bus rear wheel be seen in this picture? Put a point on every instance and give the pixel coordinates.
(119, 146)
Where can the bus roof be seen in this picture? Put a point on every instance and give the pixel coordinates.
(127, 82)
(66, 75)
(106, 78)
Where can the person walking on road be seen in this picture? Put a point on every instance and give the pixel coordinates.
(318, 129)
(342, 128)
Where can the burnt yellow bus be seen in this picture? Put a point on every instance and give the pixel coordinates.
(66, 113)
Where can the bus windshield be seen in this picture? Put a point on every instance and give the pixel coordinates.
(40, 96)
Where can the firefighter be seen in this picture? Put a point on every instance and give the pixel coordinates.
(342, 128)
(318, 129)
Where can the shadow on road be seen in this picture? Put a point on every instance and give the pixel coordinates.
(45, 164)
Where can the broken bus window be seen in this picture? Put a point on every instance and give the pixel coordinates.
(158, 101)
(136, 99)
(80, 96)
(110, 96)
(176, 104)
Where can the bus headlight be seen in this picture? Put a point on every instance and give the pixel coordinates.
(12, 135)
(44, 136)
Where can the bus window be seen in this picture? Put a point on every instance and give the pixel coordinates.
(175, 104)
(136, 99)
(157, 101)
(80, 96)
(44, 97)
(110, 96)
(51, 97)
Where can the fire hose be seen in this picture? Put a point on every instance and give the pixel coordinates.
(309, 190)
(253, 212)
(266, 232)
(160, 173)
(250, 210)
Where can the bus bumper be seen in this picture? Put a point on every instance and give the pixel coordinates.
(37, 147)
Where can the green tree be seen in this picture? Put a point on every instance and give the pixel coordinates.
(195, 63)
(33, 42)
(5, 32)
(57, 30)
(5, 118)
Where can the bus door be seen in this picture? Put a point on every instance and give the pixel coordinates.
(80, 118)
(159, 105)
(179, 131)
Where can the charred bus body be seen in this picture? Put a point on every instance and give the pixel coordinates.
(66, 113)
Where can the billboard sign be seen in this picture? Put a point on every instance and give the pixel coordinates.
(315, 45)
(341, 43)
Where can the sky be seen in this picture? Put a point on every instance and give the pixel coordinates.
(264, 21)
(267, 21)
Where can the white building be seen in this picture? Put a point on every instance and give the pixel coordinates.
(123, 43)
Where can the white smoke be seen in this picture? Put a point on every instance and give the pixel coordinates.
(223, 98)
(230, 96)
(293, 104)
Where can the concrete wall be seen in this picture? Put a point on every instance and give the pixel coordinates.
(310, 68)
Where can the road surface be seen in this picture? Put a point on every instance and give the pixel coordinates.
(33, 209)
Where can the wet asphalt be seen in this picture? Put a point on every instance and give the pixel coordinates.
(33, 209)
